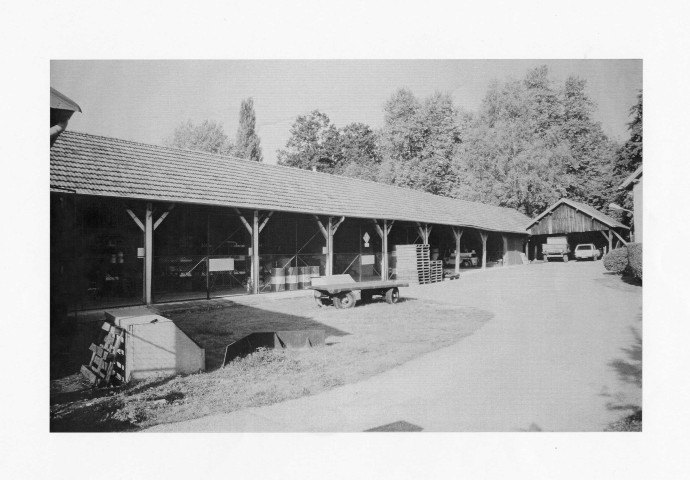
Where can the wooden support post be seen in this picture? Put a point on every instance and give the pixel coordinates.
(255, 253)
(457, 232)
(148, 253)
(610, 239)
(329, 247)
(505, 248)
(621, 240)
(484, 236)
(424, 232)
(384, 253)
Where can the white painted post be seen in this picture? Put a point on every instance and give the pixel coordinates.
(458, 236)
(484, 236)
(148, 253)
(329, 247)
(384, 253)
(255, 253)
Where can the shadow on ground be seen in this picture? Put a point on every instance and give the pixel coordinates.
(629, 370)
(217, 327)
(75, 406)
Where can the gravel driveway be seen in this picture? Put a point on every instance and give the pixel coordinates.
(562, 353)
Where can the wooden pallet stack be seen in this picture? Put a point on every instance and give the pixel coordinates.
(436, 271)
(107, 364)
(412, 263)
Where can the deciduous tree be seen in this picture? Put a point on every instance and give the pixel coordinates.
(207, 136)
(247, 143)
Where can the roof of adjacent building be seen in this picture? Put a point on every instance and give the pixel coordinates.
(591, 211)
(633, 177)
(94, 165)
(62, 102)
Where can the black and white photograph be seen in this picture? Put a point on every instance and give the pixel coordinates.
(346, 246)
(348, 240)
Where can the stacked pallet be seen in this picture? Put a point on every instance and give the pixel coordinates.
(412, 263)
(436, 271)
(107, 364)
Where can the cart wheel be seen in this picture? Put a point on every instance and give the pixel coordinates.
(392, 295)
(321, 302)
(366, 296)
(344, 300)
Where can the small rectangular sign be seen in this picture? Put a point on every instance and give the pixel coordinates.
(368, 259)
(140, 252)
(221, 264)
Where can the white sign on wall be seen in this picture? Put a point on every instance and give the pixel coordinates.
(221, 264)
(366, 239)
(368, 259)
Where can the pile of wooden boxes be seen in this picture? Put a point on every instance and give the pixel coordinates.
(413, 264)
(141, 344)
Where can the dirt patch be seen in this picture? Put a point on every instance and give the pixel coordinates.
(361, 342)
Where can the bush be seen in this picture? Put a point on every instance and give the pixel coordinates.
(635, 260)
(616, 260)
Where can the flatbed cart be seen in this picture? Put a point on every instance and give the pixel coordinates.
(343, 292)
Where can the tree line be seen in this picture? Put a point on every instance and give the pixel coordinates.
(531, 142)
(209, 136)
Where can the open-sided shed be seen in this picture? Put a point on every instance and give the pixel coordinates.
(136, 223)
(579, 222)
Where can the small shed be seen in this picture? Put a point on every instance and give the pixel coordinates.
(581, 223)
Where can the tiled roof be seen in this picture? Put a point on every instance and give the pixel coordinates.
(591, 211)
(94, 165)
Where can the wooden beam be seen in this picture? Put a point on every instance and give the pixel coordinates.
(484, 236)
(505, 247)
(378, 228)
(457, 232)
(148, 253)
(610, 239)
(136, 220)
(384, 248)
(329, 247)
(255, 253)
(265, 221)
(162, 217)
(323, 230)
(390, 227)
(619, 237)
(244, 221)
(335, 227)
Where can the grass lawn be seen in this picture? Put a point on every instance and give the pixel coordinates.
(360, 342)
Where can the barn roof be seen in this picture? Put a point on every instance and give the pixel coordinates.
(94, 165)
(591, 211)
(62, 102)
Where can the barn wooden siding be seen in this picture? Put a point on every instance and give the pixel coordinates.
(566, 219)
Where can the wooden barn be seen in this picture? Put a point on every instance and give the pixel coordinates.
(580, 223)
(134, 224)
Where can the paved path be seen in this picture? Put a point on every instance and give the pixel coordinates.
(560, 355)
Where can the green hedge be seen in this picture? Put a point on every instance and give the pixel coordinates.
(635, 260)
(616, 260)
(626, 260)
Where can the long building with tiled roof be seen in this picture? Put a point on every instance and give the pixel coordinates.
(101, 166)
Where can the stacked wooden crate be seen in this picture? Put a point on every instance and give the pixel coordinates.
(107, 358)
(436, 271)
(412, 263)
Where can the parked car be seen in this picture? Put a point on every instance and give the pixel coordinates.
(586, 251)
(555, 247)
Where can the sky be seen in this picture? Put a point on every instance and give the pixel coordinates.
(145, 100)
